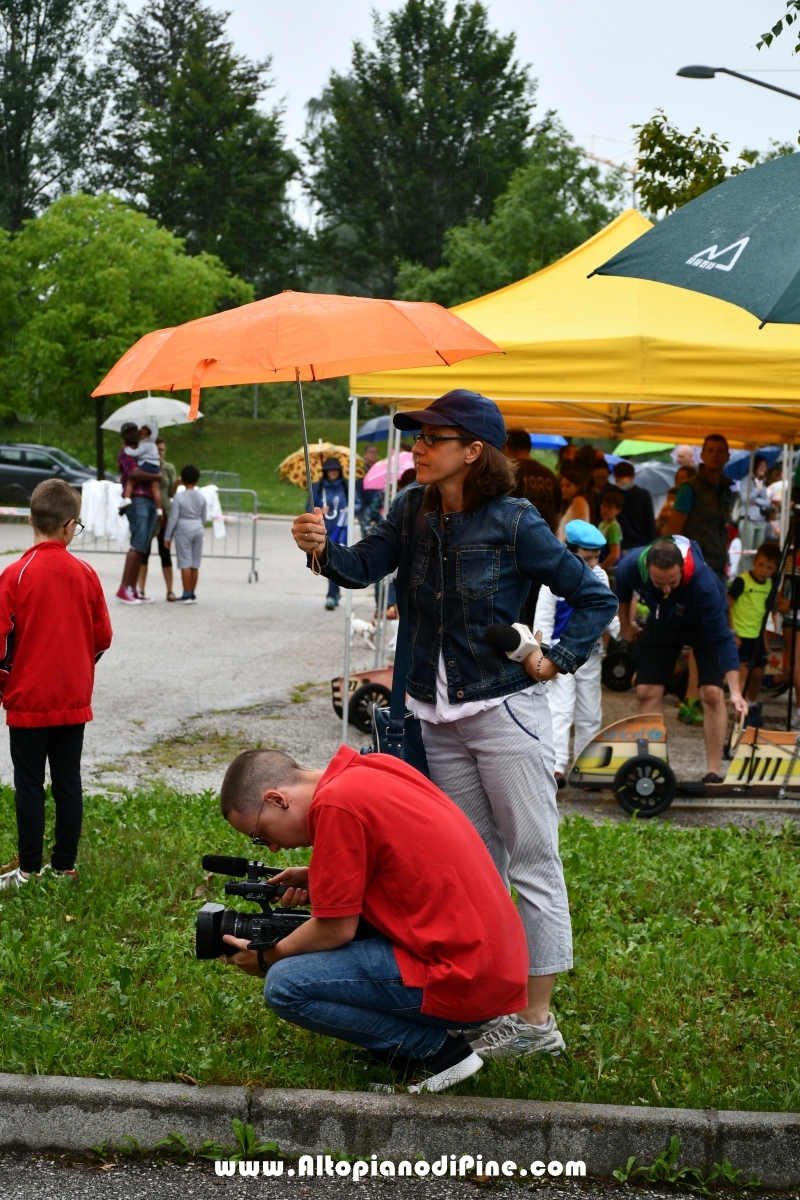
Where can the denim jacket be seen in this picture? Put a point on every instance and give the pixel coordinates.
(469, 571)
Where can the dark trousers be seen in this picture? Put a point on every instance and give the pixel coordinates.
(30, 750)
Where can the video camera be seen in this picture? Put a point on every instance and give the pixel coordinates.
(262, 931)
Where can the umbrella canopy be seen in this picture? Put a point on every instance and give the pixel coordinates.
(631, 447)
(655, 477)
(376, 430)
(375, 478)
(294, 335)
(162, 409)
(739, 242)
(547, 441)
(293, 467)
(738, 465)
(619, 358)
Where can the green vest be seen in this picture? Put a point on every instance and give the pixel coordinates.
(748, 609)
(707, 523)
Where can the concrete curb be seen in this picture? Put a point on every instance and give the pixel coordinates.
(62, 1113)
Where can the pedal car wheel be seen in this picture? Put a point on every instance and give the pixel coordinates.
(645, 786)
(363, 700)
(618, 670)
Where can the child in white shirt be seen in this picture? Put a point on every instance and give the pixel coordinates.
(574, 699)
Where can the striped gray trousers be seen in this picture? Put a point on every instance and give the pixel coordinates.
(498, 768)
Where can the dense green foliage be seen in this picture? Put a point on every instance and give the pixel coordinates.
(555, 201)
(423, 133)
(197, 150)
(682, 992)
(92, 276)
(55, 89)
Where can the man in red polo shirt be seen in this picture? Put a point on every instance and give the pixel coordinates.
(450, 952)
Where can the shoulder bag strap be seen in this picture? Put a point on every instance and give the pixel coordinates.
(397, 708)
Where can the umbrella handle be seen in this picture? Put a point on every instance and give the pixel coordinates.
(315, 567)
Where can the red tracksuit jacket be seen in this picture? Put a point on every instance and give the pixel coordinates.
(54, 625)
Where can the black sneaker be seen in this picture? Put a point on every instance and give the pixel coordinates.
(455, 1061)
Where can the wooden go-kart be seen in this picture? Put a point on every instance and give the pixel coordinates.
(367, 690)
(630, 757)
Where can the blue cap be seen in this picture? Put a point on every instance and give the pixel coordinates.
(471, 411)
(584, 535)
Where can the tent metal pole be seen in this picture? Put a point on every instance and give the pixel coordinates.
(348, 594)
(786, 495)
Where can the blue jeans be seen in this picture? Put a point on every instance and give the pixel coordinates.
(142, 520)
(356, 993)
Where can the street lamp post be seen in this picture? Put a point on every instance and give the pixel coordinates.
(698, 72)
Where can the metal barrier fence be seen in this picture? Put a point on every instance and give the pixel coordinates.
(225, 480)
(239, 514)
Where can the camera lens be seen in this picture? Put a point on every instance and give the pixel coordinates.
(213, 922)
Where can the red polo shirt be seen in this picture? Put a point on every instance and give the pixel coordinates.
(388, 844)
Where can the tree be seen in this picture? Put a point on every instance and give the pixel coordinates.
(92, 277)
(676, 167)
(424, 133)
(54, 91)
(553, 203)
(204, 160)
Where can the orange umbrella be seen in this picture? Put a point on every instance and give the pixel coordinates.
(294, 336)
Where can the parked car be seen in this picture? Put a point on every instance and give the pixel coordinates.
(23, 465)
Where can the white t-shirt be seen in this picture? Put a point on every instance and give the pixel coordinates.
(443, 712)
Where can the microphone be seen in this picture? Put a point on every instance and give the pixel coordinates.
(220, 864)
(515, 641)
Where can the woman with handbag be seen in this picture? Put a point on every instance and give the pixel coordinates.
(467, 552)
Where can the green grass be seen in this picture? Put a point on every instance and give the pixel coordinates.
(684, 992)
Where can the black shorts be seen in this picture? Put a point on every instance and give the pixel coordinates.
(746, 648)
(163, 553)
(658, 654)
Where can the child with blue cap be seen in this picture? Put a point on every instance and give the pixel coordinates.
(574, 699)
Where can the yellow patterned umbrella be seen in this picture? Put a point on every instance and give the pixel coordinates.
(293, 468)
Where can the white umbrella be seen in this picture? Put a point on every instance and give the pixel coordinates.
(162, 409)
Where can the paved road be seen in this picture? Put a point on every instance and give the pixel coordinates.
(28, 1178)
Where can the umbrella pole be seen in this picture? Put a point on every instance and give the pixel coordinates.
(304, 431)
(315, 567)
(348, 595)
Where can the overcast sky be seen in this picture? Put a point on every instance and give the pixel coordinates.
(602, 64)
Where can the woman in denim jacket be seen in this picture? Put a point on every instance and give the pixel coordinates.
(466, 553)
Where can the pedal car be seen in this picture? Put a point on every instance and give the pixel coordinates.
(366, 690)
(630, 757)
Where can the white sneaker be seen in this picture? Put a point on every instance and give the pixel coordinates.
(142, 598)
(511, 1037)
(123, 504)
(12, 880)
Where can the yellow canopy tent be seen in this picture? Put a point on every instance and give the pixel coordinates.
(616, 357)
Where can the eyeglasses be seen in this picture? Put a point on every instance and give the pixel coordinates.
(257, 841)
(431, 439)
(79, 526)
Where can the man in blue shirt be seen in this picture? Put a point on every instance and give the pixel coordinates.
(688, 607)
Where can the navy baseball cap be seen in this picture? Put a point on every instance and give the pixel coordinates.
(468, 409)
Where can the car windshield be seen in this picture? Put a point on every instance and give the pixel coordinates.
(67, 459)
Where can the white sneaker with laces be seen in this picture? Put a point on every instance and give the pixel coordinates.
(13, 879)
(510, 1037)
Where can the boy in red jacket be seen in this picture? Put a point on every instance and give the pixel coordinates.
(54, 625)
